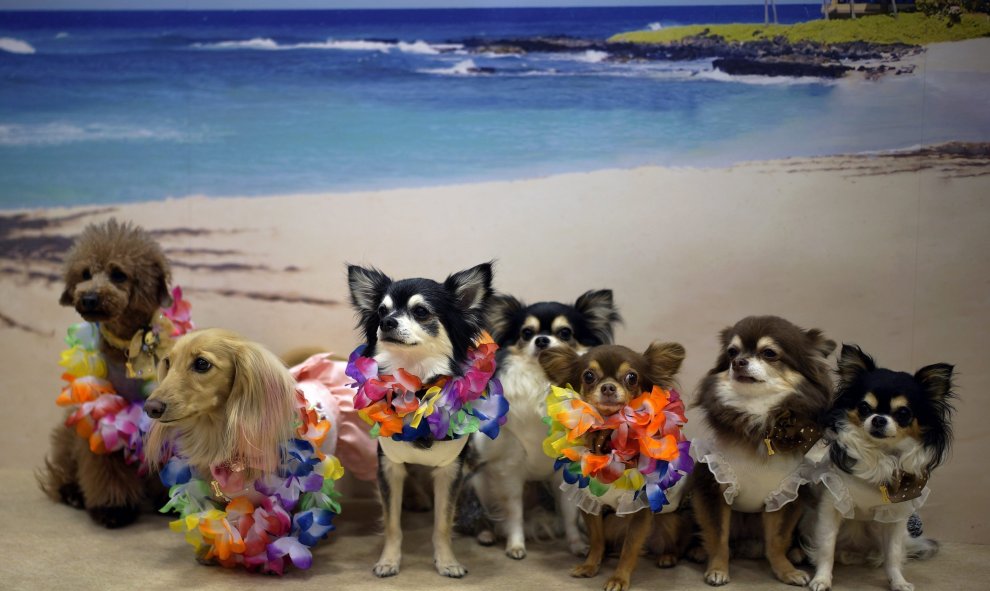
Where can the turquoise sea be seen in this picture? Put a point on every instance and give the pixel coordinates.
(107, 107)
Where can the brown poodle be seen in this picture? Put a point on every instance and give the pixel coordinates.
(116, 276)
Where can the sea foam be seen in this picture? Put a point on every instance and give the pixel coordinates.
(11, 45)
(268, 44)
(54, 134)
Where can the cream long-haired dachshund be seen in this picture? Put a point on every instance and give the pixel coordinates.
(230, 403)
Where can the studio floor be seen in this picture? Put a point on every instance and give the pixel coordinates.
(49, 546)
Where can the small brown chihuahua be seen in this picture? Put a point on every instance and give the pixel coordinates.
(608, 377)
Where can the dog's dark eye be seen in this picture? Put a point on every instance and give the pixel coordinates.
(564, 334)
(527, 333)
(732, 352)
(864, 409)
(201, 365)
(902, 416)
(769, 354)
(118, 276)
(382, 311)
(420, 313)
(588, 377)
(631, 379)
(86, 275)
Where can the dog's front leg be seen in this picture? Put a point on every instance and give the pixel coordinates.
(640, 524)
(512, 485)
(446, 484)
(778, 532)
(827, 524)
(569, 514)
(391, 477)
(112, 489)
(894, 535)
(596, 549)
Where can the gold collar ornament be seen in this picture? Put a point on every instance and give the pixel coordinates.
(146, 348)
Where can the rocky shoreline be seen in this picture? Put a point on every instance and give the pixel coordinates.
(776, 57)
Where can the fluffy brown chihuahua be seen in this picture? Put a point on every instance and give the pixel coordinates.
(116, 276)
(608, 377)
(763, 401)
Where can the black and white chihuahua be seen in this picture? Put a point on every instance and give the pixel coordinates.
(426, 328)
(523, 332)
(889, 430)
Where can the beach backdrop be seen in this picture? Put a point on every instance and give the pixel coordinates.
(266, 149)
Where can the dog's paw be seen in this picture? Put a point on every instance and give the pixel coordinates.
(616, 583)
(454, 570)
(385, 568)
(585, 570)
(820, 584)
(716, 577)
(516, 552)
(578, 547)
(901, 586)
(795, 577)
(72, 495)
(486, 538)
(667, 561)
(114, 517)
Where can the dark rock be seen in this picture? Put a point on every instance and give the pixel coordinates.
(757, 67)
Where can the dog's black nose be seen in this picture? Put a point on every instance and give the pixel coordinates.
(89, 301)
(542, 342)
(740, 362)
(608, 390)
(878, 422)
(154, 408)
(390, 324)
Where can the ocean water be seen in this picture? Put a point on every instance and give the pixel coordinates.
(104, 107)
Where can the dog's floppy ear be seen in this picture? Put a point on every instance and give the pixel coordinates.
(664, 361)
(597, 308)
(66, 298)
(261, 406)
(163, 276)
(853, 362)
(819, 342)
(560, 365)
(503, 311)
(936, 379)
(472, 287)
(367, 288)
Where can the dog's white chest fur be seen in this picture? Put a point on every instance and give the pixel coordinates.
(441, 453)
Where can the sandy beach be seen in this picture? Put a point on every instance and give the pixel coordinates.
(889, 252)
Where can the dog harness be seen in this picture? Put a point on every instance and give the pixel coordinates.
(631, 460)
(108, 399)
(765, 478)
(855, 498)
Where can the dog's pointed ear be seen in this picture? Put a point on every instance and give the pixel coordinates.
(724, 338)
(853, 362)
(664, 361)
(597, 308)
(367, 287)
(503, 310)
(560, 365)
(261, 406)
(821, 344)
(936, 379)
(472, 288)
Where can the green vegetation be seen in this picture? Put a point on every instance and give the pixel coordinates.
(913, 28)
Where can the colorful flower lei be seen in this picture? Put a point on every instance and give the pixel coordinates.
(107, 420)
(648, 451)
(278, 520)
(452, 406)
